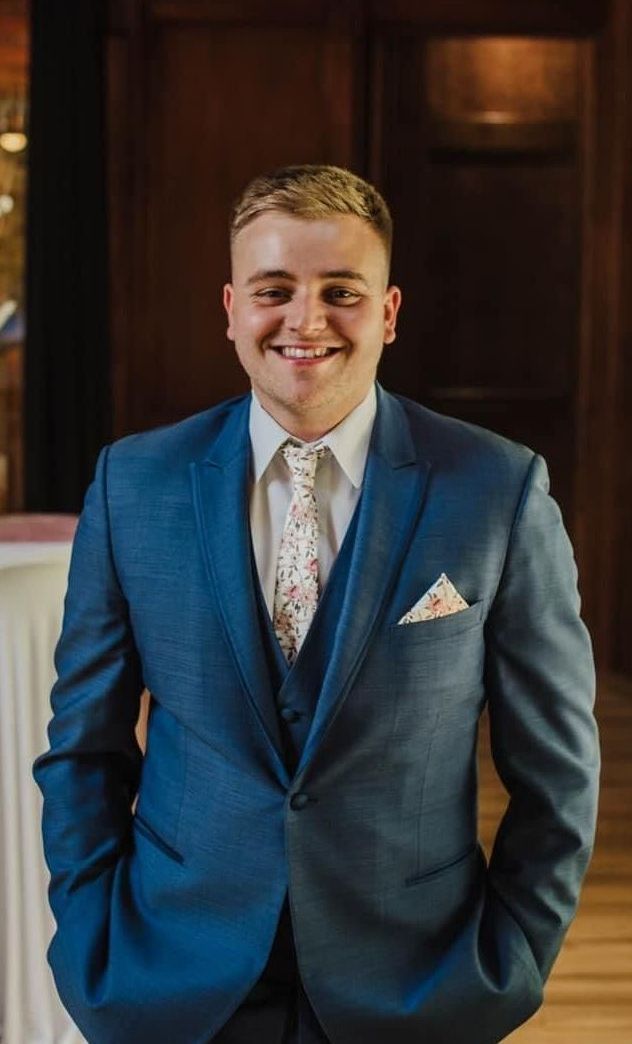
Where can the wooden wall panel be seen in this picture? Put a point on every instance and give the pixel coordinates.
(221, 101)
(13, 44)
(124, 214)
(502, 264)
(466, 76)
(540, 17)
(604, 475)
(493, 251)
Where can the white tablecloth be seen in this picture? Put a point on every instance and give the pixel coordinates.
(32, 585)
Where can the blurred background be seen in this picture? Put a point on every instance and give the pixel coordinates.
(501, 135)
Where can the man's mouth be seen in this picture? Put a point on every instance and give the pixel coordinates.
(291, 351)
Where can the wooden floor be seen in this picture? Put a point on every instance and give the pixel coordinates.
(588, 998)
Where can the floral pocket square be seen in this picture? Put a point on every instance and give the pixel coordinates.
(442, 599)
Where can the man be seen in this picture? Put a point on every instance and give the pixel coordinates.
(322, 585)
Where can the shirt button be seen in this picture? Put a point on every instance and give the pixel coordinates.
(299, 801)
(289, 714)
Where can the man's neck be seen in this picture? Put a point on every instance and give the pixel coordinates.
(309, 429)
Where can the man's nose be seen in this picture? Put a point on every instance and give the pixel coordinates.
(306, 315)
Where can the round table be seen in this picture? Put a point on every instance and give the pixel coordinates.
(34, 559)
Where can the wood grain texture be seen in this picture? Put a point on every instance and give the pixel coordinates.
(603, 498)
(588, 999)
(487, 232)
(193, 151)
(13, 49)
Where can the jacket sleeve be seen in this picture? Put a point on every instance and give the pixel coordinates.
(540, 684)
(90, 774)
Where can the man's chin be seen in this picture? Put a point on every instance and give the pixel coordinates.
(298, 399)
(316, 409)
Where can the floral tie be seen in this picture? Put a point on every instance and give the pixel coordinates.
(296, 591)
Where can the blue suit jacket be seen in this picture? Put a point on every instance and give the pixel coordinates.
(166, 917)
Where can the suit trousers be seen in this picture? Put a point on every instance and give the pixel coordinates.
(277, 1009)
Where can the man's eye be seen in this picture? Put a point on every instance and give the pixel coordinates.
(272, 294)
(342, 294)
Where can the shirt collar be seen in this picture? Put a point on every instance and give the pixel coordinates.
(348, 441)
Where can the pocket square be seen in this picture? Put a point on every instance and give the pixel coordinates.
(442, 599)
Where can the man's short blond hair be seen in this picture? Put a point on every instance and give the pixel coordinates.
(313, 191)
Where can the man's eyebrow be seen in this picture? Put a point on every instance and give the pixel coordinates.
(268, 273)
(280, 273)
(345, 273)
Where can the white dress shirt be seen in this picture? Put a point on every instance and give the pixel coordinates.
(337, 488)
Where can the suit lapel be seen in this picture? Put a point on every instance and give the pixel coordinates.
(391, 502)
(220, 490)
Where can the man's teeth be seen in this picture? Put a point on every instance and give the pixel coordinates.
(289, 352)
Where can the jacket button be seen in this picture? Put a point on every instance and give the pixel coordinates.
(289, 714)
(299, 801)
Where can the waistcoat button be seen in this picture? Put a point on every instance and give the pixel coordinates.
(289, 714)
(299, 801)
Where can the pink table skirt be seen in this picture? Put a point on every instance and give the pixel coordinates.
(37, 529)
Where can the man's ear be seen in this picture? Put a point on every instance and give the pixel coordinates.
(228, 298)
(392, 301)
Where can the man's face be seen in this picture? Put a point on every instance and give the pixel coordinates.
(309, 312)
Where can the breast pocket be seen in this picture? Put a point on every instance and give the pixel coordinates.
(444, 655)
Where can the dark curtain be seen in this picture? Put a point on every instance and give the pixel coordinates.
(67, 395)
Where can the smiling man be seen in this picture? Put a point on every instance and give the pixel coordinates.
(310, 311)
(322, 585)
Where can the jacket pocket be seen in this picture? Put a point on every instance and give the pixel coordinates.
(438, 627)
(148, 831)
(443, 867)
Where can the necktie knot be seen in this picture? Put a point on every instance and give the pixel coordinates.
(302, 462)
